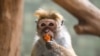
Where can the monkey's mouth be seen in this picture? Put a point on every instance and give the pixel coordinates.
(48, 32)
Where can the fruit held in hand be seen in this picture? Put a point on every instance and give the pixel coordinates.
(47, 37)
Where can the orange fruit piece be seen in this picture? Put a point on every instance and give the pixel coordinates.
(47, 37)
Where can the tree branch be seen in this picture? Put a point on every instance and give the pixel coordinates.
(87, 14)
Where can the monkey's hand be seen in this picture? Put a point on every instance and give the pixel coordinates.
(47, 38)
(55, 48)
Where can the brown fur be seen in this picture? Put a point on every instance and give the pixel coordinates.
(41, 14)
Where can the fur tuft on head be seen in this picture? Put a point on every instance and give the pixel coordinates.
(49, 14)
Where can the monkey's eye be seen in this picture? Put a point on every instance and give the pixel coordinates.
(51, 24)
(43, 24)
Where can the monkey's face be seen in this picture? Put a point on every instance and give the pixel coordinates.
(47, 26)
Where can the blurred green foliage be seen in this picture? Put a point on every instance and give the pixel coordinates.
(84, 45)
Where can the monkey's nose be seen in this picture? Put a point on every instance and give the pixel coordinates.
(46, 31)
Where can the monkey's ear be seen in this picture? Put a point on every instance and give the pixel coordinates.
(35, 21)
(62, 22)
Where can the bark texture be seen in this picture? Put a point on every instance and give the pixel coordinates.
(87, 14)
(10, 27)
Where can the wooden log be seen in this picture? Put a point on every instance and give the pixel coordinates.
(10, 27)
(87, 14)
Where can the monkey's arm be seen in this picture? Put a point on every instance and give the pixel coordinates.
(33, 52)
(60, 49)
(67, 51)
(37, 49)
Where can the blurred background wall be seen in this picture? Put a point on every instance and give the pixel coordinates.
(84, 45)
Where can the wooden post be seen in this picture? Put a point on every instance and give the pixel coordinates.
(10, 27)
(87, 14)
